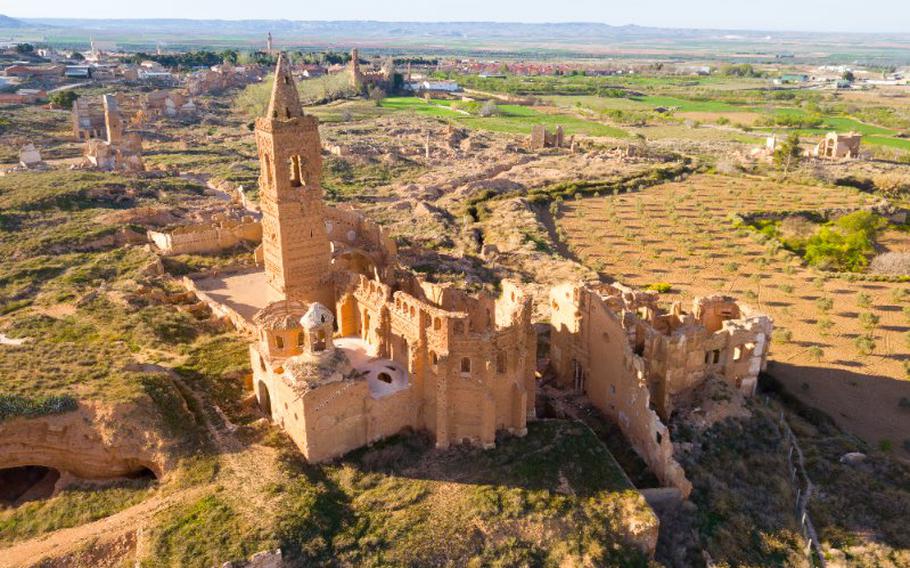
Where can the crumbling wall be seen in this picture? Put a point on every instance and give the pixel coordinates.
(542, 138)
(221, 234)
(590, 352)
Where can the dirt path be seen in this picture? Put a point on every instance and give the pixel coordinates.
(65, 541)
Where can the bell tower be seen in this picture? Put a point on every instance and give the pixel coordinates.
(295, 245)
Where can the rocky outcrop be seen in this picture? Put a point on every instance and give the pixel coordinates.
(95, 441)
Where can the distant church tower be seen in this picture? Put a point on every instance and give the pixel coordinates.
(295, 244)
(356, 75)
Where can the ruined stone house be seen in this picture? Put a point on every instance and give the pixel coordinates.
(631, 359)
(220, 233)
(122, 150)
(837, 146)
(542, 138)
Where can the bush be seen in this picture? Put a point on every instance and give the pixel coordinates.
(864, 344)
(63, 99)
(892, 185)
(662, 287)
(891, 263)
(844, 244)
(12, 405)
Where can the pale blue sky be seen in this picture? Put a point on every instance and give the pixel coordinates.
(811, 15)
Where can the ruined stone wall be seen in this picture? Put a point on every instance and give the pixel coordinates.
(206, 238)
(590, 351)
(719, 338)
(469, 382)
(352, 233)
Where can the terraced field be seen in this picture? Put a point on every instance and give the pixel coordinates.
(681, 234)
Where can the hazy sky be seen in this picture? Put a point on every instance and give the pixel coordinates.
(814, 15)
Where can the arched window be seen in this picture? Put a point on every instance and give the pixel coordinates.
(465, 365)
(299, 339)
(279, 342)
(295, 171)
(501, 362)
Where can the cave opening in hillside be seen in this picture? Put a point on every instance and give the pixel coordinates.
(26, 483)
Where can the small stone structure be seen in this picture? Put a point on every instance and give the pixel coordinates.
(837, 146)
(542, 138)
(29, 157)
(121, 151)
(88, 112)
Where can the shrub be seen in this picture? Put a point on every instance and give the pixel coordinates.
(782, 335)
(12, 405)
(864, 344)
(662, 287)
(892, 185)
(824, 305)
(863, 300)
(816, 353)
(833, 248)
(868, 320)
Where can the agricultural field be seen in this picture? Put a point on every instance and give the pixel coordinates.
(840, 343)
(512, 119)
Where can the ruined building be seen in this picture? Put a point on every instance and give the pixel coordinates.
(350, 347)
(355, 349)
(122, 150)
(542, 138)
(614, 345)
(837, 146)
(382, 78)
(88, 119)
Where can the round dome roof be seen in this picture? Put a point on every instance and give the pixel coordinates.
(316, 316)
(281, 315)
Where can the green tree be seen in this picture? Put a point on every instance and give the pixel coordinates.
(63, 99)
(848, 76)
(788, 154)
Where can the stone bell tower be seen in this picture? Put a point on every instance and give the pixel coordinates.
(295, 244)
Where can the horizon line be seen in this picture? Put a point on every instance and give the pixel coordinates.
(496, 22)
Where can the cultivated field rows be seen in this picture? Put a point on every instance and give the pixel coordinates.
(682, 234)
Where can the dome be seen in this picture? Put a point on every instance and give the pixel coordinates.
(280, 316)
(316, 316)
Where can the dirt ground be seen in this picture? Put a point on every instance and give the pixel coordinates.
(681, 233)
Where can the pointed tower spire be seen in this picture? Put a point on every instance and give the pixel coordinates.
(285, 103)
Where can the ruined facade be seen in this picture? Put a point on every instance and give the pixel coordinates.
(357, 349)
(632, 360)
(838, 146)
(88, 119)
(542, 138)
(122, 150)
(88, 114)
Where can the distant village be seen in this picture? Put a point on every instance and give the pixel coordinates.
(32, 73)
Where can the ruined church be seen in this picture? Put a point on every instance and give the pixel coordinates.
(351, 347)
(357, 349)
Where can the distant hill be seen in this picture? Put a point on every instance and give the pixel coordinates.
(7, 22)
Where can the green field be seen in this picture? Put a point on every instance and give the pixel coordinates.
(512, 119)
